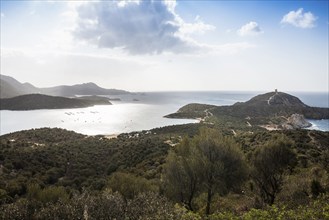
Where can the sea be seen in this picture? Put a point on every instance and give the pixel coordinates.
(137, 111)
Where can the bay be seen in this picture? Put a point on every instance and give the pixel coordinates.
(138, 111)
(100, 119)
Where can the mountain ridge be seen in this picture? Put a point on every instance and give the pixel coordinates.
(10, 87)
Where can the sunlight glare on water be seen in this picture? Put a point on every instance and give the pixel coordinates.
(101, 119)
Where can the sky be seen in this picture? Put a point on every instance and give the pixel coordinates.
(168, 45)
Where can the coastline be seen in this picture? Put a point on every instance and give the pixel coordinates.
(320, 125)
(126, 116)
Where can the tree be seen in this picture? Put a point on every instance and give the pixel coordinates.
(182, 178)
(270, 163)
(209, 163)
(222, 162)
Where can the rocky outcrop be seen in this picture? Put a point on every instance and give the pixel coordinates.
(296, 121)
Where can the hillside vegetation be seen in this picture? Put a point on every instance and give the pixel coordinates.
(165, 173)
(272, 109)
(38, 101)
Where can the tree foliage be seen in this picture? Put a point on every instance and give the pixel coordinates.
(183, 175)
(129, 185)
(59, 174)
(222, 162)
(207, 163)
(270, 163)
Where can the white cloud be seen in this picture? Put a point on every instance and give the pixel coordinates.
(198, 27)
(138, 27)
(2, 15)
(299, 19)
(250, 29)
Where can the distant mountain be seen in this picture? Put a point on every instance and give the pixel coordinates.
(275, 108)
(39, 101)
(10, 87)
(81, 89)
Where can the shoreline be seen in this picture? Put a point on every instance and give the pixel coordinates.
(318, 127)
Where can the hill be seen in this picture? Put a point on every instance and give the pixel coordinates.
(273, 104)
(193, 110)
(275, 99)
(81, 89)
(38, 101)
(273, 108)
(59, 173)
(10, 87)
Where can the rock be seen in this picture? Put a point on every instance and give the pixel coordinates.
(296, 121)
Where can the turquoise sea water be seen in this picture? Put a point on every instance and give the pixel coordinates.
(322, 125)
(140, 111)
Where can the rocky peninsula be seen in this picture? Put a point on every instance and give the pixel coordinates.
(273, 111)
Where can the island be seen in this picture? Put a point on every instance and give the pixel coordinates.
(39, 101)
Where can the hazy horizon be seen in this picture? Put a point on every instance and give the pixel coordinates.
(150, 91)
(154, 46)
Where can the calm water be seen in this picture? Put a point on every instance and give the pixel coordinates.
(140, 111)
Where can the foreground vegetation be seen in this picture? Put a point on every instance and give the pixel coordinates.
(146, 206)
(197, 171)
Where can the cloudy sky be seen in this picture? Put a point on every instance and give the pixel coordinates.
(168, 45)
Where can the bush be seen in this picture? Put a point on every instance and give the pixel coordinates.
(50, 194)
(316, 188)
(130, 185)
